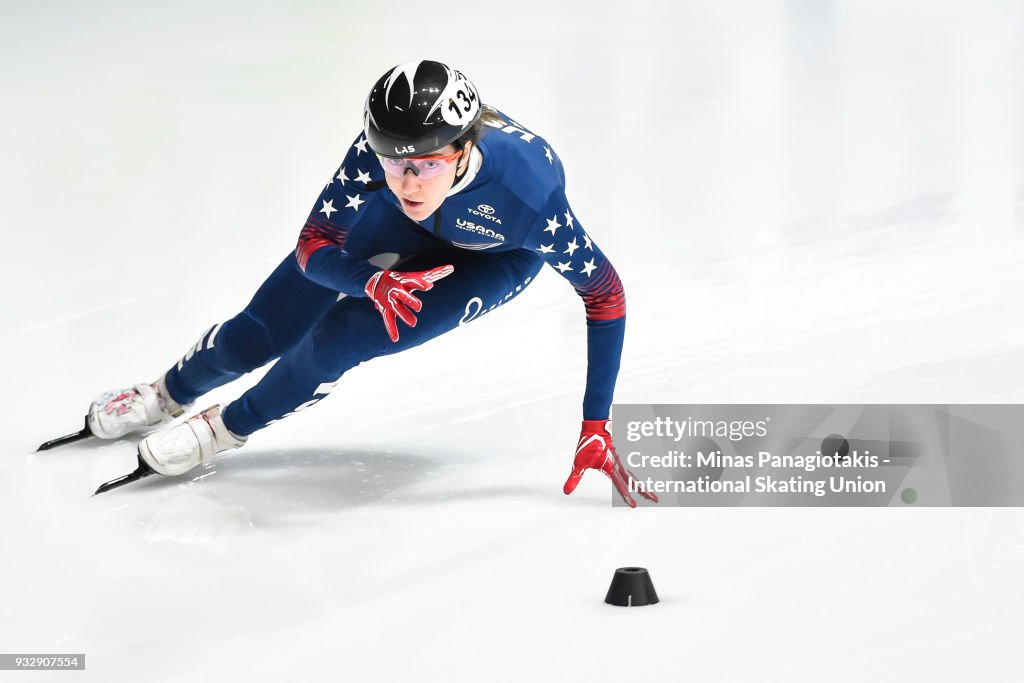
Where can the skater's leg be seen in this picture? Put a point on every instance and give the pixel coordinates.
(352, 332)
(283, 309)
(280, 313)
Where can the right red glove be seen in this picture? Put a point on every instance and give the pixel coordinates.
(391, 293)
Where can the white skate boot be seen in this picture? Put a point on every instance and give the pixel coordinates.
(195, 441)
(122, 411)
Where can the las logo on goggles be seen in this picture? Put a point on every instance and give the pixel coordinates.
(423, 167)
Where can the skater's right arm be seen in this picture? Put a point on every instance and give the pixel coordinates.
(320, 252)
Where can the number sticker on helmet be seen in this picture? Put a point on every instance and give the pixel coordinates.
(460, 104)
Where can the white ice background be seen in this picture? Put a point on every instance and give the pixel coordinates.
(808, 202)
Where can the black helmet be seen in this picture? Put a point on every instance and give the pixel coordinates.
(417, 108)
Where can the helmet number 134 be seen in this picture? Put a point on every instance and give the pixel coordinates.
(467, 101)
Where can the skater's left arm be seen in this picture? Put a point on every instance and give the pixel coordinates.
(562, 242)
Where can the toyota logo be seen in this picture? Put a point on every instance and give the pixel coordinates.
(484, 208)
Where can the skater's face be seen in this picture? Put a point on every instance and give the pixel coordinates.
(420, 196)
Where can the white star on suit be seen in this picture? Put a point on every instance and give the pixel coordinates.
(562, 267)
(553, 224)
(547, 153)
(587, 243)
(360, 145)
(568, 218)
(589, 267)
(571, 247)
(342, 177)
(362, 177)
(546, 249)
(354, 202)
(327, 208)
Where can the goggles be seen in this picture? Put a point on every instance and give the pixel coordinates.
(422, 167)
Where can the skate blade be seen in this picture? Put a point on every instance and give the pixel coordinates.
(70, 438)
(143, 470)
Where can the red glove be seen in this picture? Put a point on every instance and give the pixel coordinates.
(596, 452)
(391, 292)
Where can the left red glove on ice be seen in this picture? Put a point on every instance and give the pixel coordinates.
(596, 452)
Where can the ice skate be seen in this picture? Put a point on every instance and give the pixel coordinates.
(134, 409)
(176, 450)
(195, 441)
(116, 413)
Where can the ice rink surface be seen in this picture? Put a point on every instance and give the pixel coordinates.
(808, 202)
